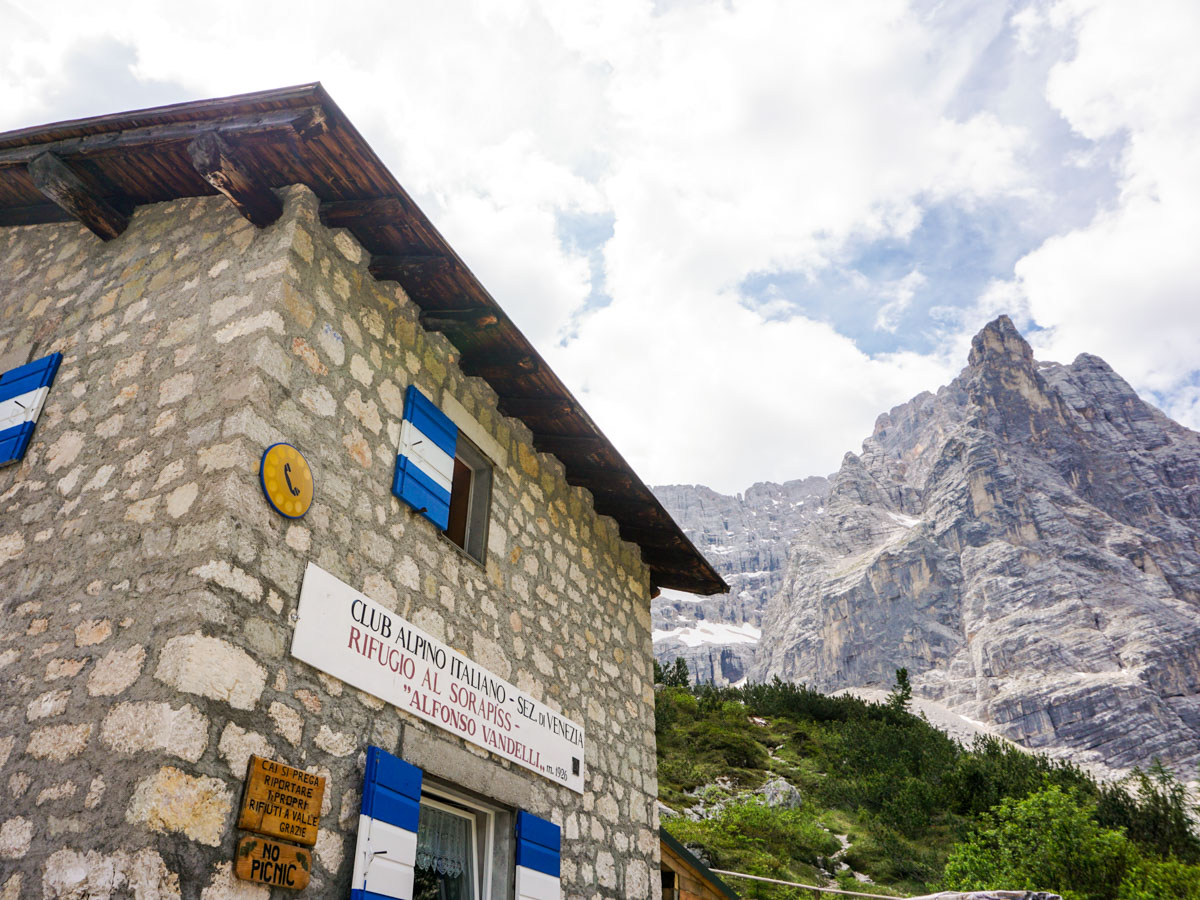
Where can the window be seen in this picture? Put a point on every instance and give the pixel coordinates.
(23, 391)
(429, 841)
(453, 860)
(470, 498)
(670, 884)
(443, 475)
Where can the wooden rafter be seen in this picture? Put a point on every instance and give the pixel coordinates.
(536, 407)
(499, 365)
(404, 268)
(459, 319)
(562, 443)
(217, 163)
(56, 180)
(667, 556)
(631, 510)
(680, 579)
(304, 122)
(348, 213)
(41, 214)
(652, 537)
(609, 477)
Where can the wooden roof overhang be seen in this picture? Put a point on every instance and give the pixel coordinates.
(97, 170)
(715, 886)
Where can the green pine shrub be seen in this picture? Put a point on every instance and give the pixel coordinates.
(921, 811)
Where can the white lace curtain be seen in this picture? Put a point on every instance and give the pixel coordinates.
(444, 842)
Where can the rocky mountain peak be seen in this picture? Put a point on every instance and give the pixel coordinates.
(1026, 542)
(999, 340)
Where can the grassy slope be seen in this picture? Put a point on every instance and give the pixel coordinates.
(902, 791)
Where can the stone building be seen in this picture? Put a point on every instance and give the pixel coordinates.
(182, 289)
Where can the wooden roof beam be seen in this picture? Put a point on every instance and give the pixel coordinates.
(603, 478)
(57, 181)
(406, 268)
(694, 584)
(569, 444)
(304, 122)
(217, 163)
(375, 211)
(459, 319)
(681, 564)
(499, 365)
(668, 557)
(40, 214)
(536, 407)
(629, 511)
(652, 537)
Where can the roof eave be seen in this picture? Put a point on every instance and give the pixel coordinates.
(361, 195)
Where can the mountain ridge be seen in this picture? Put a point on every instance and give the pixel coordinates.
(1024, 541)
(749, 533)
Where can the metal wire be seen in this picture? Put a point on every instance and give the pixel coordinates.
(810, 887)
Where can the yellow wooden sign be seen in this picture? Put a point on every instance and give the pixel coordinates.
(286, 480)
(282, 801)
(273, 863)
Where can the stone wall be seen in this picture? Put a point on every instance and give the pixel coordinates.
(147, 591)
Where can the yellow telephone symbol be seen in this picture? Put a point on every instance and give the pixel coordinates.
(287, 480)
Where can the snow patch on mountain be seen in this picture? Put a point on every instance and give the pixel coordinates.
(710, 633)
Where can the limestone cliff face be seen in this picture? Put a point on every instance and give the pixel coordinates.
(746, 537)
(1027, 543)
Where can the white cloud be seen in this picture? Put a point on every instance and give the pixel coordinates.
(898, 296)
(722, 141)
(768, 136)
(766, 139)
(1127, 285)
(1028, 24)
(699, 388)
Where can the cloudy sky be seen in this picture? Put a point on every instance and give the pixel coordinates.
(738, 230)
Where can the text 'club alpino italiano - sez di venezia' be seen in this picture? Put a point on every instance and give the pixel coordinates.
(313, 576)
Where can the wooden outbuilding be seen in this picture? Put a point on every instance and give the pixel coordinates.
(684, 877)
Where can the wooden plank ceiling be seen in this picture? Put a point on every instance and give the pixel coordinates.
(97, 170)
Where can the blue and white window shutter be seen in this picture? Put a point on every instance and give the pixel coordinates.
(23, 392)
(425, 461)
(539, 857)
(386, 852)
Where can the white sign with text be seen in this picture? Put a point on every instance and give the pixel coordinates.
(349, 636)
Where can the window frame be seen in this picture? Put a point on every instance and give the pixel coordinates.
(483, 825)
(479, 499)
(669, 891)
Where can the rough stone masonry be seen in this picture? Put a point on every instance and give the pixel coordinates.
(147, 590)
